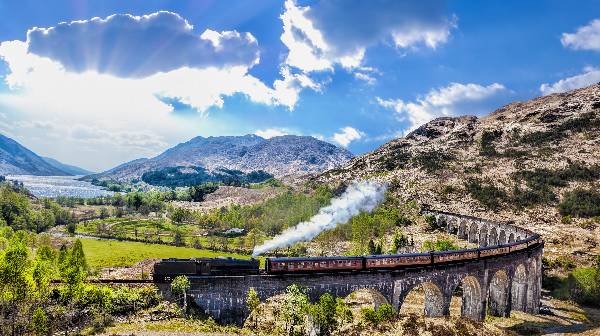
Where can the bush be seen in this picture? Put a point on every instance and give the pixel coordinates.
(384, 313)
(433, 161)
(324, 313)
(369, 315)
(580, 203)
(583, 286)
(584, 122)
(431, 222)
(39, 322)
(487, 194)
(439, 245)
(487, 142)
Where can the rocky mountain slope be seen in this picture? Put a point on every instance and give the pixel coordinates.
(15, 159)
(67, 168)
(279, 156)
(521, 163)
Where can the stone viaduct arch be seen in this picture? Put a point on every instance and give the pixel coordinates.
(496, 284)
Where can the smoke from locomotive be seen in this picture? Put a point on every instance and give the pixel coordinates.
(359, 196)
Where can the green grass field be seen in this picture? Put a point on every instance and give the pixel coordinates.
(109, 253)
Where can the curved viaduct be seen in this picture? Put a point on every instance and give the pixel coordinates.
(495, 285)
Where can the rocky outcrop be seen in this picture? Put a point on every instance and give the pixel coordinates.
(527, 155)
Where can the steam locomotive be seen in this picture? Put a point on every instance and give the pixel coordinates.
(167, 269)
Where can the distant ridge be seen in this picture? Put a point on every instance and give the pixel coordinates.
(280, 156)
(15, 159)
(67, 168)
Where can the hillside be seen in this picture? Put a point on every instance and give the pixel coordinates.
(536, 163)
(279, 156)
(67, 168)
(15, 159)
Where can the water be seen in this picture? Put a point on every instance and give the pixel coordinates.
(54, 186)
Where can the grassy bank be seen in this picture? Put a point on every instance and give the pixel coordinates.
(107, 253)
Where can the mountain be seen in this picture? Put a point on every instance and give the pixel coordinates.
(69, 169)
(536, 163)
(15, 159)
(279, 156)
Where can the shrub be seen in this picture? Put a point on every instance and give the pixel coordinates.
(433, 160)
(584, 122)
(324, 313)
(580, 203)
(369, 315)
(486, 147)
(583, 286)
(180, 284)
(39, 322)
(342, 312)
(431, 222)
(385, 312)
(487, 194)
(439, 245)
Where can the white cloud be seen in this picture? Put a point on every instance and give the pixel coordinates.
(585, 38)
(454, 99)
(138, 46)
(347, 135)
(44, 89)
(339, 32)
(589, 76)
(272, 132)
(287, 90)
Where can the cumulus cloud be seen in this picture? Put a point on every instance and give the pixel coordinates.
(585, 38)
(327, 33)
(347, 135)
(589, 76)
(138, 46)
(454, 99)
(120, 87)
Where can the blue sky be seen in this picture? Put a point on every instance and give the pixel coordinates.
(146, 75)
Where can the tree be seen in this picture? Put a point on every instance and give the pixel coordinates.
(73, 269)
(372, 249)
(44, 268)
(342, 311)
(179, 215)
(180, 286)
(252, 303)
(178, 238)
(295, 307)
(39, 322)
(399, 241)
(196, 243)
(104, 213)
(324, 313)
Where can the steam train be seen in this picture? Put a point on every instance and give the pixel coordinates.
(167, 269)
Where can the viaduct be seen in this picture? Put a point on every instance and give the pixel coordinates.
(495, 285)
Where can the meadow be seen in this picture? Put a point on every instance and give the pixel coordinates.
(110, 253)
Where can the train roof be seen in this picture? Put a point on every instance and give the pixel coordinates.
(456, 251)
(397, 255)
(284, 259)
(217, 259)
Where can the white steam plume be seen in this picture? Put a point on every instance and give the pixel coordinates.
(359, 196)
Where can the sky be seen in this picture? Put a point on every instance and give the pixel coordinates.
(99, 83)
